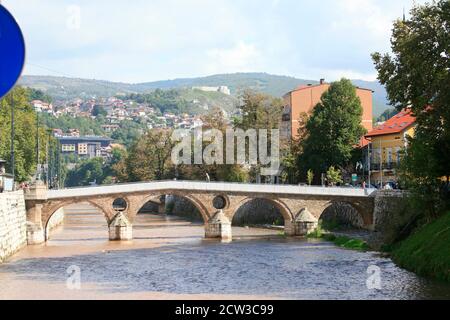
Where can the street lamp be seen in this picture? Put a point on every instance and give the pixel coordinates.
(38, 173)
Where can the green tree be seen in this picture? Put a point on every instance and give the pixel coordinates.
(35, 94)
(259, 111)
(386, 115)
(310, 176)
(128, 133)
(417, 75)
(333, 129)
(25, 143)
(86, 126)
(150, 157)
(87, 172)
(99, 111)
(215, 119)
(334, 176)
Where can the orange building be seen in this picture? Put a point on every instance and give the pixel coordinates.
(305, 98)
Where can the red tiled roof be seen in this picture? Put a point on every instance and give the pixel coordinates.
(363, 142)
(396, 124)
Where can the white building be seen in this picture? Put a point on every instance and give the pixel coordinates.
(222, 89)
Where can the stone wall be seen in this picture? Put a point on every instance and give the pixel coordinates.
(392, 212)
(13, 230)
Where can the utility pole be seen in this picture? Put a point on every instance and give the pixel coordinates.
(368, 160)
(381, 164)
(47, 161)
(38, 173)
(13, 161)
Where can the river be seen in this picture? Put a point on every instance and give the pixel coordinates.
(170, 259)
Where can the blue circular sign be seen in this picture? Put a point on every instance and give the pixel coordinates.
(12, 51)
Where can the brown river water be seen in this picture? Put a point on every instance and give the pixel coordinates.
(170, 259)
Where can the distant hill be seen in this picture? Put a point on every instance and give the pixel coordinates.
(263, 82)
(67, 88)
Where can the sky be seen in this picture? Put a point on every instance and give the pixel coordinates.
(147, 40)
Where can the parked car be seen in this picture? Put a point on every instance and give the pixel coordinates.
(390, 185)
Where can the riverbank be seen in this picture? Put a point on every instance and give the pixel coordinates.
(427, 251)
(348, 240)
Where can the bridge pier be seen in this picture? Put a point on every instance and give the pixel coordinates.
(305, 223)
(218, 226)
(35, 198)
(120, 229)
(302, 225)
(162, 208)
(35, 233)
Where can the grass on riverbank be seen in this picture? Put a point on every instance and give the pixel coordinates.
(427, 251)
(341, 241)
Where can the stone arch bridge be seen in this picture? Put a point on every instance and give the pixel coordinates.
(217, 203)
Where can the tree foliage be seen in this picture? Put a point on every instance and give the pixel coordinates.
(150, 157)
(87, 172)
(333, 130)
(259, 111)
(215, 119)
(310, 176)
(35, 94)
(417, 75)
(25, 142)
(334, 176)
(386, 115)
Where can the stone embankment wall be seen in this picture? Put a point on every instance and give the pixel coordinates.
(13, 219)
(392, 212)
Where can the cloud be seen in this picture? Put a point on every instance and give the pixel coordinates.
(242, 57)
(143, 40)
(363, 14)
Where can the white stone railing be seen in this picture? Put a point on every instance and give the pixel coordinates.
(207, 186)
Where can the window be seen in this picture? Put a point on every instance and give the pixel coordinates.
(389, 155)
(398, 154)
(82, 149)
(68, 148)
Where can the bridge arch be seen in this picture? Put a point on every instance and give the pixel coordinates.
(282, 207)
(52, 207)
(342, 211)
(199, 205)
